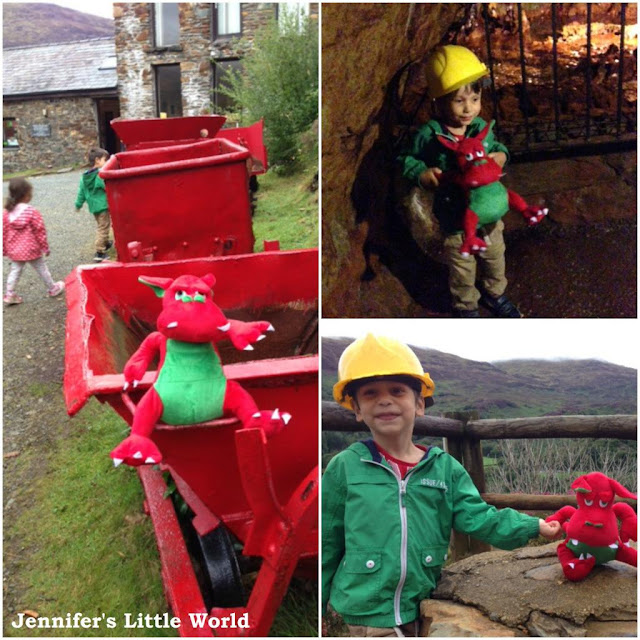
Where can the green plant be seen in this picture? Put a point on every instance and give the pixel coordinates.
(279, 82)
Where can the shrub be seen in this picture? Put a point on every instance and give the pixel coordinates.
(279, 82)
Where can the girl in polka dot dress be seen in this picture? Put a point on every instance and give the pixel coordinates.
(24, 240)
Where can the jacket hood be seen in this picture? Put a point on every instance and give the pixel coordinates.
(17, 217)
(89, 178)
(367, 449)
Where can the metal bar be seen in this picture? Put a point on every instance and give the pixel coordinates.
(494, 95)
(556, 99)
(623, 11)
(523, 74)
(588, 76)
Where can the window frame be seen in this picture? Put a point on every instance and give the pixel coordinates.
(157, 19)
(156, 71)
(216, 77)
(216, 35)
(5, 139)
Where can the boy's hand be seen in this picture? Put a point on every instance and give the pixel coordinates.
(430, 177)
(500, 157)
(550, 530)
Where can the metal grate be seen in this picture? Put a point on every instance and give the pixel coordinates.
(560, 130)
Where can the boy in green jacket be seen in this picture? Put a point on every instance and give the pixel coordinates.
(92, 191)
(455, 79)
(389, 506)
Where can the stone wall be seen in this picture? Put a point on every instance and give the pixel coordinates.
(73, 127)
(137, 54)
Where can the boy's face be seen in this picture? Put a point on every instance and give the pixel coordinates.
(387, 407)
(100, 162)
(463, 106)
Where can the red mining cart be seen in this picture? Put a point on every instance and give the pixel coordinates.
(181, 190)
(236, 485)
(178, 198)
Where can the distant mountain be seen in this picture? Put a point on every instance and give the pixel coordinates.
(33, 23)
(513, 388)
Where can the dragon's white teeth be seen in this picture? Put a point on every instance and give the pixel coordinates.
(261, 337)
(589, 556)
(275, 415)
(117, 462)
(581, 556)
(256, 414)
(248, 348)
(126, 386)
(136, 383)
(613, 546)
(172, 325)
(149, 460)
(573, 566)
(137, 455)
(225, 327)
(574, 542)
(270, 327)
(286, 417)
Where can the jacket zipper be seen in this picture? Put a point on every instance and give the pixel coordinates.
(402, 490)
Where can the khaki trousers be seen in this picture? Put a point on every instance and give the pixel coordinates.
(103, 220)
(487, 267)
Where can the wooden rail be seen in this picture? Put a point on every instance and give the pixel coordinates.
(463, 436)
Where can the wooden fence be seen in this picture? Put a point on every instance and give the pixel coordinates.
(462, 439)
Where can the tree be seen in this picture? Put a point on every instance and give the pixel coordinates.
(279, 82)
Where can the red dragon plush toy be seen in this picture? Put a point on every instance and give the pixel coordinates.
(488, 199)
(592, 529)
(190, 386)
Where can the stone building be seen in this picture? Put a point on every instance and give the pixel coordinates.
(172, 57)
(58, 102)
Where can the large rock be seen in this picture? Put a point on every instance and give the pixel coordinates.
(524, 592)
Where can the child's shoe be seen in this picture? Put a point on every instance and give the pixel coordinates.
(56, 290)
(501, 307)
(466, 313)
(12, 298)
(100, 256)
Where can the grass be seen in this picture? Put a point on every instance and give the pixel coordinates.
(93, 550)
(287, 209)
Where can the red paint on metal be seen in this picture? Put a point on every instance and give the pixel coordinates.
(163, 132)
(264, 492)
(179, 202)
(180, 584)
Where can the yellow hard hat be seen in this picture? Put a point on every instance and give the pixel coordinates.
(378, 356)
(450, 67)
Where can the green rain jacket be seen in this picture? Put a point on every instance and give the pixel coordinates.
(92, 191)
(384, 540)
(426, 152)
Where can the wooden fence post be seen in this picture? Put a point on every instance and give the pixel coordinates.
(468, 451)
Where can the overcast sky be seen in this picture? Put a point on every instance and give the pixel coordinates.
(490, 340)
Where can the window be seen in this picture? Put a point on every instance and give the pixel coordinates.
(167, 24)
(168, 93)
(294, 9)
(9, 138)
(220, 70)
(228, 20)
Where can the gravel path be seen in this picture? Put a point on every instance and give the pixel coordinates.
(33, 362)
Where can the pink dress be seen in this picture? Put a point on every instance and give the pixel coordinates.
(24, 236)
